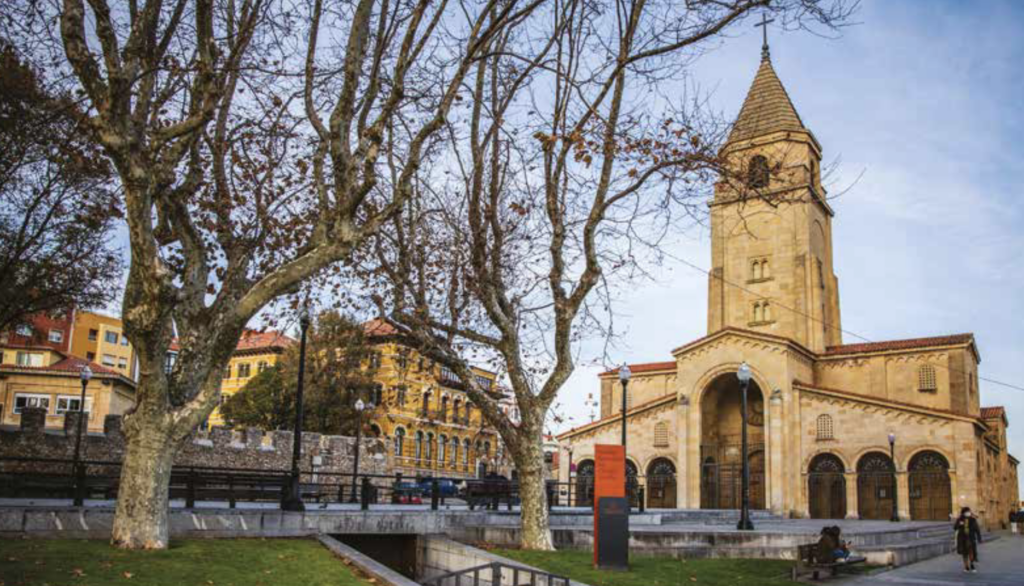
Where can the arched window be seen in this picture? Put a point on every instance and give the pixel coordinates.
(824, 427)
(926, 378)
(766, 311)
(765, 273)
(430, 446)
(419, 445)
(444, 408)
(400, 395)
(399, 442)
(426, 403)
(442, 443)
(757, 172)
(661, 435)
(455, 410)
(757, 314)
(755, 270)
(465, 454)
(455, 451)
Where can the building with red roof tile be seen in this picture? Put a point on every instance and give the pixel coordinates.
(41, 376)
(820, 411)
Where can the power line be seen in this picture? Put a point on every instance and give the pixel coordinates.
(827, 324)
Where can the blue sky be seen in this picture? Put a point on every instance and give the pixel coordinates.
(923, 101)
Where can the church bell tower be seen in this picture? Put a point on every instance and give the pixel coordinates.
(771, 226)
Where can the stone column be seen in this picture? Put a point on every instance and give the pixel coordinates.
(33, 420)
(851, 495)
(903, 495)
(776, 473)
(685, 469)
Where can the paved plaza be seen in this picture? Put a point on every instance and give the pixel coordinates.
(1002, 564)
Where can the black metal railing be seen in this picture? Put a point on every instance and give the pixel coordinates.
(57, 478)
(494, 574)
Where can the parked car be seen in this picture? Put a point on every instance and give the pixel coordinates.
(407, 493)
(446, 487)
(490, 491)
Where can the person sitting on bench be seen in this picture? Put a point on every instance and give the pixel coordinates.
(842, 550)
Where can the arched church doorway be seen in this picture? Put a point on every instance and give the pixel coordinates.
(826, 487)
(930, 491)
(721, 445)
(584, 496)
(632, 483)
(876, 481)
(661, 484)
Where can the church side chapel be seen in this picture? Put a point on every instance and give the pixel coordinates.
(834, 429)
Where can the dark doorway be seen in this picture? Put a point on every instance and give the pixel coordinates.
(397, 552)
(661, 484)
(826, 487)
(876, 484)
(584, 496)
(721, 445)
(931, 496)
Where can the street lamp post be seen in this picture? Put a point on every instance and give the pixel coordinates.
(892, 456)
(624, 376)
(744, 375)
(84, 375)
(293, 496)
(359, 438)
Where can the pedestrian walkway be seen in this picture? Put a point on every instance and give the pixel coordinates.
(1001, 564)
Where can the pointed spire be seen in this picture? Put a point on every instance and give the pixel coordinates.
(767, 108)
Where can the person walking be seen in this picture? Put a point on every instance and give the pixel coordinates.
(968, 536)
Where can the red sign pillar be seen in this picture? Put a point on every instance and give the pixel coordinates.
(609, 481)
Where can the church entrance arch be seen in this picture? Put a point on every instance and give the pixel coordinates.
(584, 484)
(661, 484)
(632, 483)
(721, 445)
(826, 487)
(930, 491)
(876, 483)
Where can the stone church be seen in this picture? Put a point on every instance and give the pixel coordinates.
(820, 411)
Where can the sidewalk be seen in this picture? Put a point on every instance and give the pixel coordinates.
(1001, 564)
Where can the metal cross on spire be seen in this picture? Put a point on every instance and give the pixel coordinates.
(764, 30)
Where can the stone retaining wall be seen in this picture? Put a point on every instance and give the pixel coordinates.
(219, 448)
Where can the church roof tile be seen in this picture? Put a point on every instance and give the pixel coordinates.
(908, 344)
(644, 367)
(766, 109)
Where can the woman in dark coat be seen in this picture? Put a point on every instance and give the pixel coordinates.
(968, 536)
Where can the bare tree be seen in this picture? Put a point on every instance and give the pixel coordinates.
(245, 170)
(562, 173)
(57, 210)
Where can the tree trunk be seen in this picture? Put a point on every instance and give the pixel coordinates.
(142, 498)
(536, 529)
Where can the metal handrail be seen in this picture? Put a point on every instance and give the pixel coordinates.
(496, 575)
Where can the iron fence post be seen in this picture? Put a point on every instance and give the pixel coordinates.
(435, 489)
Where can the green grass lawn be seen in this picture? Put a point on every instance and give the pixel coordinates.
(195, 562)
(657, 571)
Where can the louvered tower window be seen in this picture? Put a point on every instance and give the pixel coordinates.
(926, 378)
(825, 427)
(661, 435)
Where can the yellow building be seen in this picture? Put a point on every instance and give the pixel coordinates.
(54, 383)
(420, 407)
(100, 338)
(255, 352)
(424, 413)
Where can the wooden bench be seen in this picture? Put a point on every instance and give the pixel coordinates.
(807, 562)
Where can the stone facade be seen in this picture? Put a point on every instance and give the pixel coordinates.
(820, 412)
